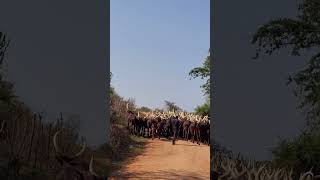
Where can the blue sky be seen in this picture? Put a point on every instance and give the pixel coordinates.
(154, 44)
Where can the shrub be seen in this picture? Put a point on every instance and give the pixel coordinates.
(300, 153)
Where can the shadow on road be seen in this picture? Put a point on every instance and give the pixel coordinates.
(169, 174)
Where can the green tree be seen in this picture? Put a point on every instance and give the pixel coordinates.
(8, 99)
(171, 106)
(144, 109)
(298, 34)
(4, 44)
(203, 110)
(204, 73)
(158, 110)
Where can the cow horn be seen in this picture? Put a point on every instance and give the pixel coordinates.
(91, 168)
(81, 151)
(127, 105)
(55, 144)
(56, 147)
(305, 175)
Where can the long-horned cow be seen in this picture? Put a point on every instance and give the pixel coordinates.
(73, 169)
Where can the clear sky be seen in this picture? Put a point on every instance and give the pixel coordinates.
(154, 44)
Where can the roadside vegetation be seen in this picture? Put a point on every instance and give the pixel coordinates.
(300, 35)
(26, 147)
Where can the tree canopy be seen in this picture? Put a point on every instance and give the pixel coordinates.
(171, 106)
(203, 110)
(298, 34)
(204, 73)
(144, 109)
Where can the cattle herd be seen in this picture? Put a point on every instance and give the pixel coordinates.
(170, 125)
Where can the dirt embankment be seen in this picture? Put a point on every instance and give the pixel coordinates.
(162, 160)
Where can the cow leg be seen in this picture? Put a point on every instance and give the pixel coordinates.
(142, 131)
(152, 132)
(183, 133)
(147, 133)
(174, 138)
(198, 137)
(193, 135)
(186, 134)
(137, 130)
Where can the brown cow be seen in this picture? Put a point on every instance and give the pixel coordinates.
(195, 132)
(185, 126)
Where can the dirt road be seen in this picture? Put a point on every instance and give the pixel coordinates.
(162, 160)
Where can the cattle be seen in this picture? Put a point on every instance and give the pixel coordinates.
(141, 125)
(71, 167)
(160, 127)
(179, 127)
(195, 131)
(175, 124)
(185, 126)
(148, 126)
(138, 125)
(167, 128)
(144, 126)
(204, 129)
(131, 122)
(153, 128)
(171, 126)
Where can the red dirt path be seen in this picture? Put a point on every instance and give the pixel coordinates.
(162, 160)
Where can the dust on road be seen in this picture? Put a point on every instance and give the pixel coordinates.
(162, 160)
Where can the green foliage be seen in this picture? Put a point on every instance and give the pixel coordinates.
(158, 110)
(307, 82)
(203, 110)
(4, 44)
(204, 73)
(144, 109)
(171, 106)
(8, 100)
(300, 154)
(119, 108)
(301, 33)
(118, 114)
(112, 92)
